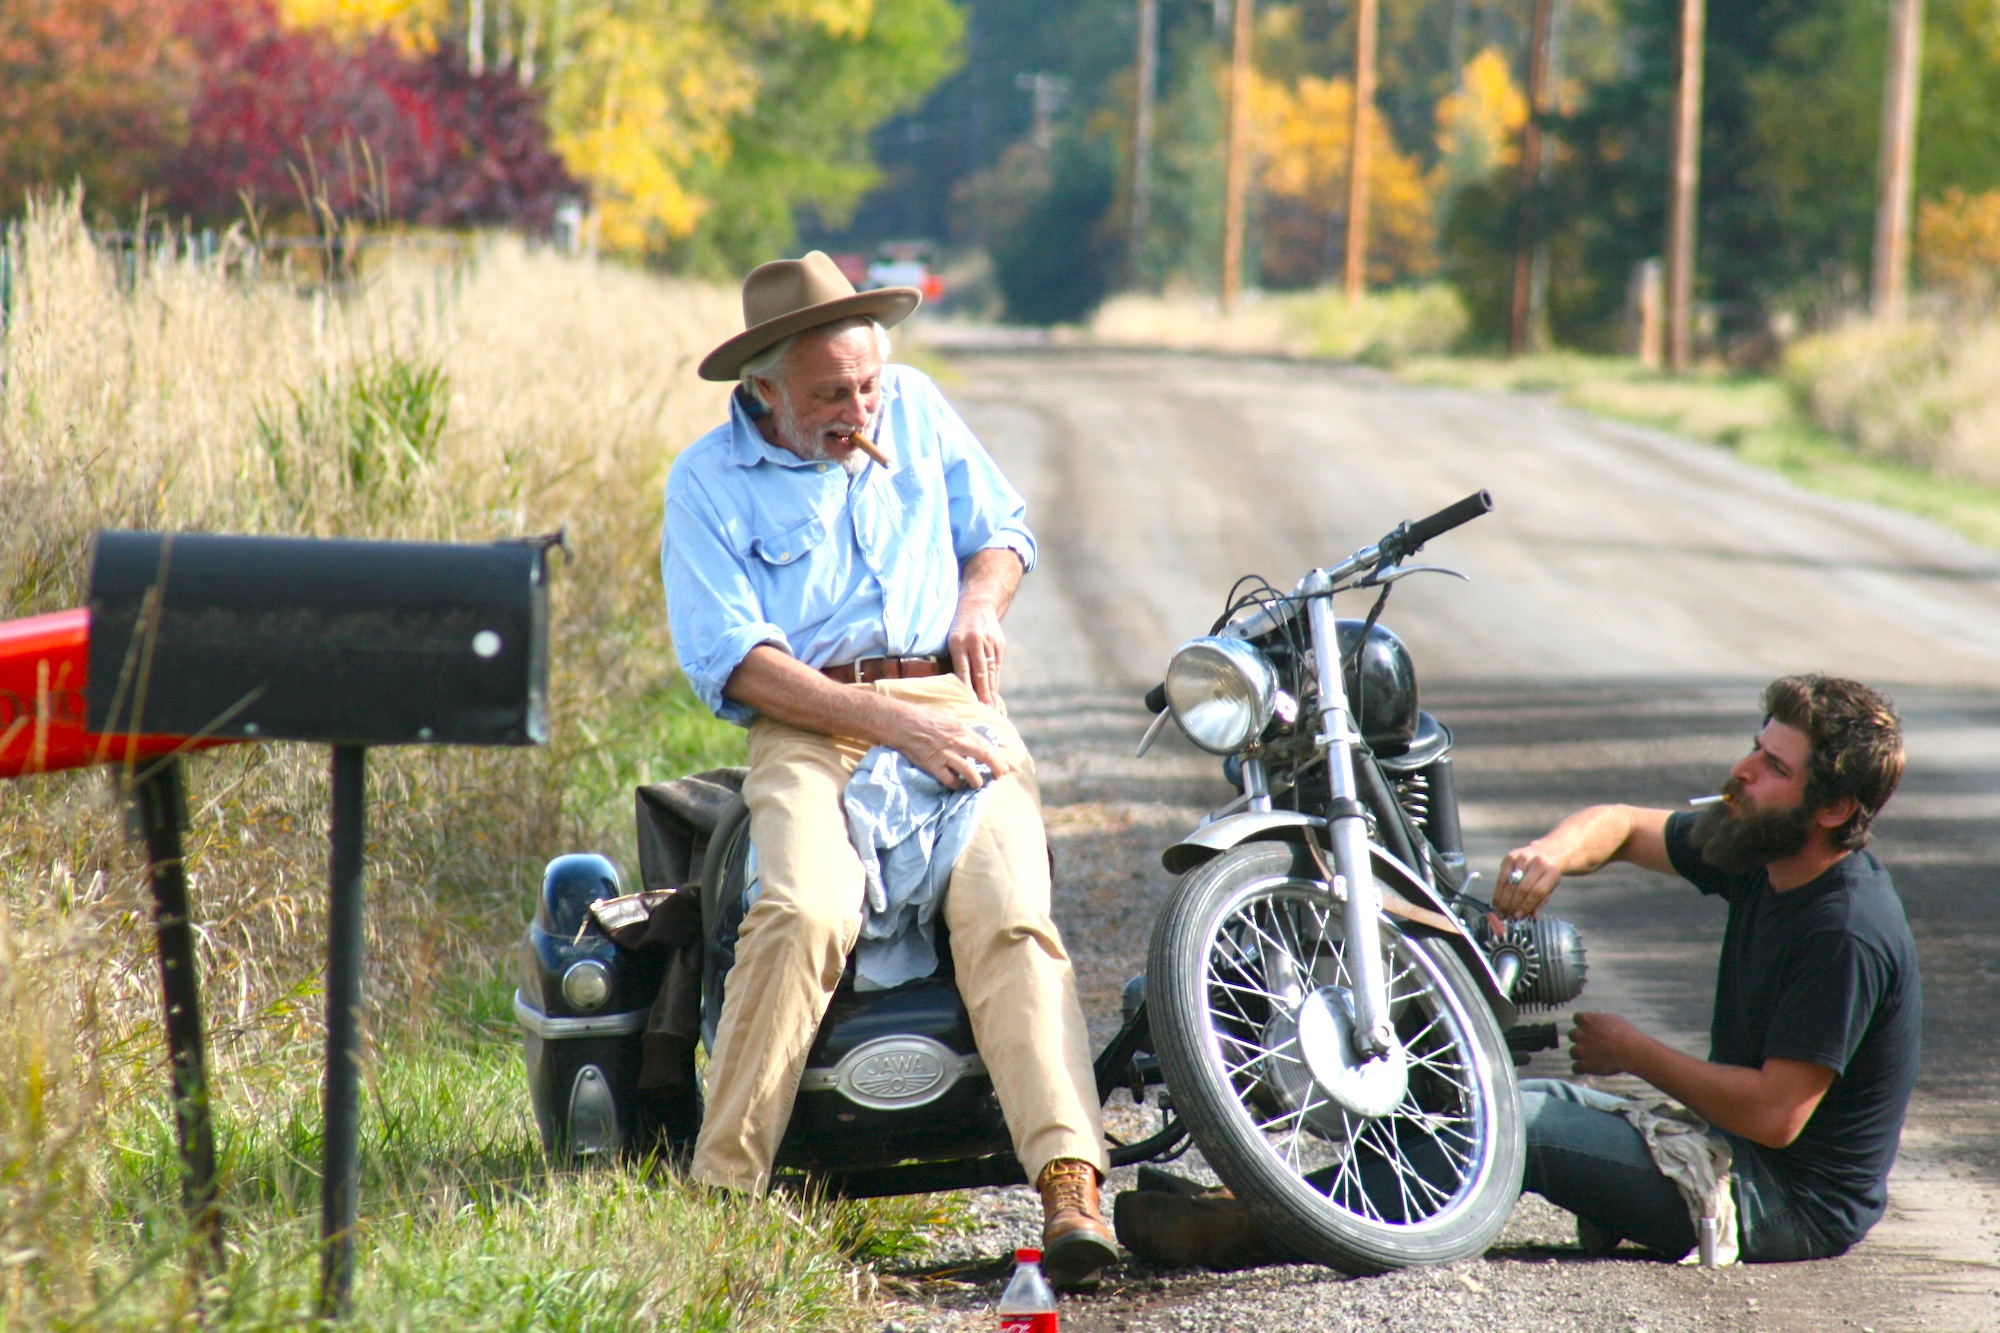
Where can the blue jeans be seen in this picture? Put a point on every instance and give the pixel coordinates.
(1586, 1158)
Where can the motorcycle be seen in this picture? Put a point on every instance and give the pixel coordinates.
(1328, 1012)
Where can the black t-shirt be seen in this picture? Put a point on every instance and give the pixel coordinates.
(1827, 973)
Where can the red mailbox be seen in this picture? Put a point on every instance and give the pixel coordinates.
(44, 669)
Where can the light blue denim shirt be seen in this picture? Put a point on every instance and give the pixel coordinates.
(761, 546)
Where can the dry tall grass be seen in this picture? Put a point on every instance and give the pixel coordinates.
(1382, 327)
(564, 390)
(1926, 392)
(499, 392)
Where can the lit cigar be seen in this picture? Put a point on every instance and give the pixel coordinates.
(1707, 800)
(867, 446)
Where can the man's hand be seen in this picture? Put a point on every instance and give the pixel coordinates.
(1528, 875)
(947, 749)
(1602, 1044)
(977, 643)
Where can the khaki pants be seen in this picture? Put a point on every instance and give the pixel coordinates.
(1012, 969)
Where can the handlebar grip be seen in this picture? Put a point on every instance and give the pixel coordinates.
(1156, 698)
(1444, 520)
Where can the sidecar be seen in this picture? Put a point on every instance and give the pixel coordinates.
(618, 993)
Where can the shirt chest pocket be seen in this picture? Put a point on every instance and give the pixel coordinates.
(779, 547)
(794, 570)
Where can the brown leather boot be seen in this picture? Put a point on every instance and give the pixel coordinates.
(1180, 1230)
(1076, 1244)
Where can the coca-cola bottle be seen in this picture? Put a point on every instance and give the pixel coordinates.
(1028, 1305)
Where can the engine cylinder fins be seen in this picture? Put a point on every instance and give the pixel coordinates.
(1552, 961)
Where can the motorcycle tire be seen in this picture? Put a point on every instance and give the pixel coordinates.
(1239, 949)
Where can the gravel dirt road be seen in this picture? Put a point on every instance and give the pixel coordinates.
(1630, 596)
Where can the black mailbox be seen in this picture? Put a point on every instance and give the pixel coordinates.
(349, 642)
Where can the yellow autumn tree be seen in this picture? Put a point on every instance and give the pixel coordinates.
(1479, 123)
(414, 24)
(1302, 136)
(1958, 244)
(642, 98)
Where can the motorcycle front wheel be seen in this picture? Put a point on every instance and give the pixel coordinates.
(1416, 1160)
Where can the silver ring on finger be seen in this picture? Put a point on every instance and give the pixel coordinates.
(1516, 876)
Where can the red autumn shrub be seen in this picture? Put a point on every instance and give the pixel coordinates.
(283, 117)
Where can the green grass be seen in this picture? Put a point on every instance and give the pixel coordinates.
(465, 1225)
(1756, 417)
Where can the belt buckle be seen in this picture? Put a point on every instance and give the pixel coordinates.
(868, 670)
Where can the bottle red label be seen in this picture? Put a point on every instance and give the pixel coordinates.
(1029, 1323)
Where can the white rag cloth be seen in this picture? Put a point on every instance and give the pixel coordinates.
(1695, 1159)
(909, 830)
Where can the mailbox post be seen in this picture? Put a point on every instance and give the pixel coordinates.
(44, 673)
(349, 643)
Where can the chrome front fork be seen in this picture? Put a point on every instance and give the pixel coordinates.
(1361, 917)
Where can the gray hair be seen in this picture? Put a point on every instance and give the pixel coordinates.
(769, 364)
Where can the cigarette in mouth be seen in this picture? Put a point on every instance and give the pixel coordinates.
(1707, 800)
(867, 446)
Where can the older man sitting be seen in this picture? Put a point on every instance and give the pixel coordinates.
(838, 557)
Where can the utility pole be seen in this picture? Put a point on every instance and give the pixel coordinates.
(1686, 186)
(1528, 228)
(1237, 169)
(1142, 123)
(1897, 175)
(1357, 150)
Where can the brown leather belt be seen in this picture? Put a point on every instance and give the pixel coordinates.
(867, 670)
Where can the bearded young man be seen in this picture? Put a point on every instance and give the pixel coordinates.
(838, 557)
(1814, 1040)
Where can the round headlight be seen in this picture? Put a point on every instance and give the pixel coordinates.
(1221, 692)
(586, 984)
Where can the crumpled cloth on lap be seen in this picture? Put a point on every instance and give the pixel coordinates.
(1695, 1159)
(909, 830)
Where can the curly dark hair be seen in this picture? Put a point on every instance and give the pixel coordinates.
(1856, 744)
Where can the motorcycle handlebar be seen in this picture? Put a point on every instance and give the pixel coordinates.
(1156, 698)
(1410, 540)
(1401, 543)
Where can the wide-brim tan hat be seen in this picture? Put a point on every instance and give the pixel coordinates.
(788, 296)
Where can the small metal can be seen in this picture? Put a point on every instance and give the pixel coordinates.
(1709, 1230)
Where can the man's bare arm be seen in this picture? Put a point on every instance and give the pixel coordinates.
(781, 687)
(1769, 1105)
(1586, 841)
(985, 590)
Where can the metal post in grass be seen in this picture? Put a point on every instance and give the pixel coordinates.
(159, 807)
(345, 944)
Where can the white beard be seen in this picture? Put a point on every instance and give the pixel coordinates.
(812, 446)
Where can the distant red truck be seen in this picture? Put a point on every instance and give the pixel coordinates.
(896, 264)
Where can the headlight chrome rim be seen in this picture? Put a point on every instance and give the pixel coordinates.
(1221, 692)
(586, 984)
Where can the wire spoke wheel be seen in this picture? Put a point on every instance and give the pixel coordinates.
(1408, 1159)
